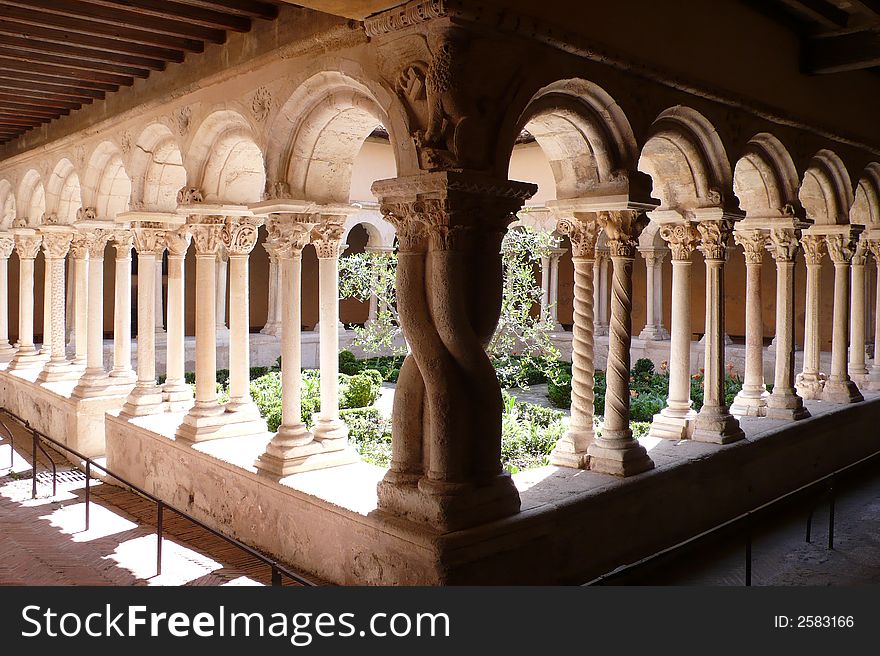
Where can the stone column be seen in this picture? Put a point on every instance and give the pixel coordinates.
(602, 262)
(204, 417)
(714, 423)
(160, 328)
(858, 372)
(839, 388)
(874, 376)
(146, 396)
(272, 314)
(810, 380)
(545, 287)
(122, 373)
(7, 244)
(80, 255)
(70, 303)
(176, 393)
(55, 246)
(327, 238)
(555, 254)
(239, 238)
(27, 243)
(48, 271)
(571, 450)
(222, 267)
(446, 441)
(784, 402)
(675, 421)
(752, 399)
(654, 330)
(94, 382)
(615, 451)
(293, 448)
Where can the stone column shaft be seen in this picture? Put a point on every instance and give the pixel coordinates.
(874, 377)
(752, 399)
(56, 243)
(545, 286)
(122, 371)
(176, 393)
(27, 243)
(858, 371)
(158, 314)
(810, 381)
(7, 245)
(80, 300)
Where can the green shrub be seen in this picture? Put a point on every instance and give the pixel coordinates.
(644, 406)
(528, 434)
(559, 390)
(374, 374)
(223, 376)
(643, 369)
(266, 393)
(348, 363)
(256, 372)
(358, 391)
(370, 434)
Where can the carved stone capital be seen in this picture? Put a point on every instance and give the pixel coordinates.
(753, 242)
(622, 229)
(7, 245)
(94, 242)
(411, 230)
(56, 244)
(874, 246)
(78, 247)
(207, 233)
(87, 214)
(28, 246)
(682, 239)
(288, 235)
(783, 244)
(814, 248)
(123, 241)
(189, 196)
(860, 255)
(841, 248)
(582, 230)
(177, 242)
(149, 238)
(240, 234)
(714, 236)
(327, 239)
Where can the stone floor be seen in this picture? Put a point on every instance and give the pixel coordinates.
(44, 542)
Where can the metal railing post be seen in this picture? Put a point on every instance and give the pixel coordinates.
(748, 552)
(276, 576)
(831, 516)
(88, 490)
(34, 457)
(159, 513)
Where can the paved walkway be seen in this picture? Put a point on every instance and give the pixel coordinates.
(43, 541)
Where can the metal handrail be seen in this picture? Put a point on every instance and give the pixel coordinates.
(278, 570)
(823, 486)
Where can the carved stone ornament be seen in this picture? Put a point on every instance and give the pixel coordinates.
(327, 239)
(149, 239)
(123, 241)
(860, 255)
(874, 247)
(783, 244)
(7, 245)
(78, 248)
(189, 196)
(682, 239)
(125, 142)
(28, 246)
(207, 234)
(178, 241)
(240, 234)
(288, 238)
(86, 214)
(714, 236)
(622, 229)
(182, 118)
(753, 242)
(20, 222)
(814, 248)
(582, 232)
(276, 189)
(95, 241)
(399, 18)
(56, 244)
(261, 104)
(49, 218)
(715, 197)
(79, 156)
(841, 248)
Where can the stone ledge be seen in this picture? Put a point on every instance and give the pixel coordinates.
(574, 524)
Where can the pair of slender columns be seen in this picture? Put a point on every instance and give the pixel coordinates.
(7, 245)
(56, 243)
(27, 243)
(614, 451)
(550, 288)
(654, 330)
(858, 370)
(294, 448)
(873, 380)
(273, 315)
(600, 292)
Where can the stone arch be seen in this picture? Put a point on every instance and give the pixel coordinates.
(585, 136)
(31, 199)
(826, 191)
(650, 238)
(318, 133)
(686, 160)
(106, 185)
(381, 233)
(63, 192)
(156, 170)
(224, 160)
(7, 205)
(866, 205)
(765, 179)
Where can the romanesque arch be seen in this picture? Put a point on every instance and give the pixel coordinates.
(765, 179)
(31, 199)
(156, 170)
(106, 185)
(7, 205)
(826, 191)
(63, 193)
(866, 204)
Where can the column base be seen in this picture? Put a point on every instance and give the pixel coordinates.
(600, 330)
(54, 372)
(293, 450)
(177, 396)
(654, 334)
(123, 376)
(727, 339)
(273, 328)
(329, 429)
(809, 386)
(841, 391)
(859, 376)
(873, 383)
(450, 507)
(7, 352)
(786, 406)
(143, 400)
(626, 460)
(26, 357)
(211, 422)
(750, 404)
(94, 385)
(571, 449)
(716, 426)
(672, 426)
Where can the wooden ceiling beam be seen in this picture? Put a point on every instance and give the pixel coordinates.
(38, 100)
(33, 58)
(264, 10)
(116, 18)
(64, 93)
(193, 15)
(62, 37)
(846, 52)
(49, 80)
(91, 28)
(7, 106)
(84, 56)
(11, 63)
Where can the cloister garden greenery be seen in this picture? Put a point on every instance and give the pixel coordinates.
(521, 350)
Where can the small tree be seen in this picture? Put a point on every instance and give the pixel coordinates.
(363, 276)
